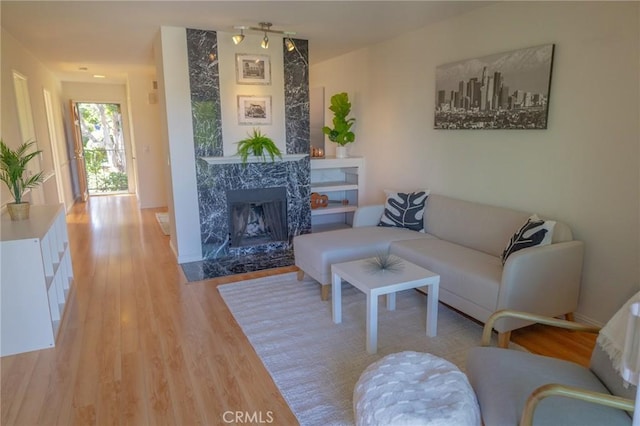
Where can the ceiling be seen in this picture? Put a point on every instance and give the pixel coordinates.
(115, 37)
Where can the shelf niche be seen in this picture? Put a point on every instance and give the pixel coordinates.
(339, 179)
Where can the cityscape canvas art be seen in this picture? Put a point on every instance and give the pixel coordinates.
(501, 91)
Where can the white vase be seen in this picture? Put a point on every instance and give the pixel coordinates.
(341, 152)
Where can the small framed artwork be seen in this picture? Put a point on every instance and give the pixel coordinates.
(254, 109)
(253, 69)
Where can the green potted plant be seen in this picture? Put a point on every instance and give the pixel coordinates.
(258, 145)
(341, 132)
(13, 171)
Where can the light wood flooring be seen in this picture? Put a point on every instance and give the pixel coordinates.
(140, 346)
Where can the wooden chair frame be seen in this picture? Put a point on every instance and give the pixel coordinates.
(554, 389)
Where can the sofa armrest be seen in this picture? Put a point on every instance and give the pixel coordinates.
(542, 280)
(368, 215)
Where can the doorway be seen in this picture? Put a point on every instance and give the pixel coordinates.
(103, 148)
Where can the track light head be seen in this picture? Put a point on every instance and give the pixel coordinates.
(237, 39)
(289, 45)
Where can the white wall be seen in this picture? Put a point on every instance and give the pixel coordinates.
(583, 170)
(15, 57)
(170, 49)
(147, 140)
(232, 132)
(349, 74)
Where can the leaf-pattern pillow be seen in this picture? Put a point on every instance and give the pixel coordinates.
(536, 232)
(405, 210)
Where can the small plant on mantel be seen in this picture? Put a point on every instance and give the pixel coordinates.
(258, 145)
(13, 172)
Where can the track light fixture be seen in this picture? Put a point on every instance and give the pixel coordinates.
(265, 28)
(237, 39)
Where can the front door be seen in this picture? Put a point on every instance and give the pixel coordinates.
(105, 158)
(79, 152)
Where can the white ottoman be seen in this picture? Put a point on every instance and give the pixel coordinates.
(413, 388)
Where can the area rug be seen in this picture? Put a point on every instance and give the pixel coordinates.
(163, 221)
(316, 363)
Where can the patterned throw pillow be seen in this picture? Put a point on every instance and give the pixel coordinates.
(405, 210)
(536, 232)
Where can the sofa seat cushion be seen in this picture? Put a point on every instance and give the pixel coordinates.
(503, 379)
(470, 274)
(315, 253)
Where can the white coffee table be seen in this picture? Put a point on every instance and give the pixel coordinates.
(374, 284)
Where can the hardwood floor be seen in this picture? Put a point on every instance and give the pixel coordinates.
(140, 346)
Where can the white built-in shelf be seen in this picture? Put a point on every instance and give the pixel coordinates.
(36, 278)
(333, 186)
(329, 162)
(331, 209)
(339, 179)
(234, 159)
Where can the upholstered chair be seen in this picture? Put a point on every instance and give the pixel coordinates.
(516, 387)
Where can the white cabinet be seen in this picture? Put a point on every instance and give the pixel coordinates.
(341, 180)
(36, 278)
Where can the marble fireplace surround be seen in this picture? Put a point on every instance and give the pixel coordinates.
(218, 179)
(217, 173)
(215, 181)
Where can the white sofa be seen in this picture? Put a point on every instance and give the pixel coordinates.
(463, 243)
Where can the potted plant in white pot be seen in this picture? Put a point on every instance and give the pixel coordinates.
(13, 172)
(341, 132)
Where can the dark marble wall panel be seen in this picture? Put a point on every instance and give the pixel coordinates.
(202, 48)
(296, 97)
(298, 139)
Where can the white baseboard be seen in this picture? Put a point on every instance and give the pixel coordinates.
(586, 320)
(173, 249)
(184, 258)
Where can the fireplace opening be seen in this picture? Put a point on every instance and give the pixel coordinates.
(257, 216)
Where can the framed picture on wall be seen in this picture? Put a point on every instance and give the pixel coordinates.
(253, 69)
(254, 109)
(508, 90)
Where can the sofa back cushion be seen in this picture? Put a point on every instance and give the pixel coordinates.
(478, 226)
(561, 233)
